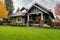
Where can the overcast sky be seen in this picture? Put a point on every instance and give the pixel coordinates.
(50, 4)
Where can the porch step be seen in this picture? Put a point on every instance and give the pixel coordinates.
(34, 25)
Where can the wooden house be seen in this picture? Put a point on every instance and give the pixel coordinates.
(36, 15)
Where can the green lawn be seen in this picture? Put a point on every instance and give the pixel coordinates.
(28, 33)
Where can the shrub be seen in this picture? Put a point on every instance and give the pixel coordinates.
(49, 22)
(46, 26)
(16, 24)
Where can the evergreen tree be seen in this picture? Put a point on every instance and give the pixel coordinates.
(9, 6)
(49, 22)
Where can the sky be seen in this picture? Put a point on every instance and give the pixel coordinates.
(49, 4)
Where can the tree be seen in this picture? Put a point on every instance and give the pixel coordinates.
(57, 9)
(3, 11)
(9, 6)
(49, 22)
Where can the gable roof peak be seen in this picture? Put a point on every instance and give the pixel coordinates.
(23, 8)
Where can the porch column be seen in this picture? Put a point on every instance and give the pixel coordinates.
(41, 16)
(27, 20)
(42, 21)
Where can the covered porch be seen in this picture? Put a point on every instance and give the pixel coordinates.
(35, 19)
(37, 15)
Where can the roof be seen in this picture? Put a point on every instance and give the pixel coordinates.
(18, 14)
(42, 9)
(23, 8)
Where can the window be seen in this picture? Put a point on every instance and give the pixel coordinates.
(19, 19)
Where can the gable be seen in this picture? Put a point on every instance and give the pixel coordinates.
(34, 10)
(45, 10)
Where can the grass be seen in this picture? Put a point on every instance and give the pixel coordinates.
(28, 33)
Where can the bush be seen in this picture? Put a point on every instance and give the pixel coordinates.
(16, 24)
(46, 26)
(49, 22)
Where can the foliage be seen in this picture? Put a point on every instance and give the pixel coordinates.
(49, 22)
(46, 26)
(16, 24)
(9, 6)
(3, 11)
(5, 20)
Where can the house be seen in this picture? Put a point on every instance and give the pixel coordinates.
(36, 15)
(18, 16)
(56, 22)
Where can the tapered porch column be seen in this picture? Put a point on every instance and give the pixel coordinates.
(41, 16)
(42, 20)
(27, 20)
